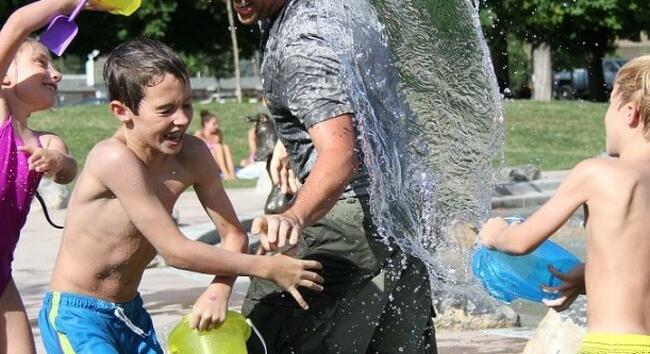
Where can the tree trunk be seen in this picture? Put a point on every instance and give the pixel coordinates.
(597, 91)
(235, 50)
(542, 73)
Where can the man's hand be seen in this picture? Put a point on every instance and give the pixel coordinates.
(573, 284)
(46, 161)
(281, 172)
(491, 229)
(276, 230)
(211, 307)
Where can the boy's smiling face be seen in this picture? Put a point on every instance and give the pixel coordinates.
(164, 114)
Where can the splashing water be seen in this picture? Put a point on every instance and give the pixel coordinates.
(428, 111)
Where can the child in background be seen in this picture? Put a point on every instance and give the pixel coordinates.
(212, 135)
(29, 85)
(119, 217)
(616, 196)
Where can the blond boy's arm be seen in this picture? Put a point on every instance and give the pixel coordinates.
(523, 238)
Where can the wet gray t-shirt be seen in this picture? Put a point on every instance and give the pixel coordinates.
(305, 84)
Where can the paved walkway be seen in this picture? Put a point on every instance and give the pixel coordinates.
(168, 293)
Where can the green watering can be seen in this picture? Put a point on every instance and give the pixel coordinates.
(229, 338)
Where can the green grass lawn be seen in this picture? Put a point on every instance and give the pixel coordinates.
(553, 135)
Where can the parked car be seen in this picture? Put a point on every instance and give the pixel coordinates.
(568, 84)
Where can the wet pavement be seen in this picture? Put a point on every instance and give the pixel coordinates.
(169, 293)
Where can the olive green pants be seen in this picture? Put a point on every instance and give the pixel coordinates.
(376, 299)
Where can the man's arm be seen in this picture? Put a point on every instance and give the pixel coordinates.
(523, 238)
(336, 164)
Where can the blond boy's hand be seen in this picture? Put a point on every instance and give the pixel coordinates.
(573, 284)
(211, 307)
(491, 229)
(291, 273)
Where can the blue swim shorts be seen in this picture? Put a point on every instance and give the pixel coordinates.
(72, 323)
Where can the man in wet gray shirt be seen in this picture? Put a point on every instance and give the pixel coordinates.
(376, 298)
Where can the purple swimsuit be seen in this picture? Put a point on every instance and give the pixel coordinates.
(17, 188)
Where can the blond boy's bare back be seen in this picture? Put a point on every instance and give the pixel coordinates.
(618, 246)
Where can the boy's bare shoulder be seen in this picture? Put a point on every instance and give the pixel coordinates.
(110, 154)
(194, 149)
(606, 172)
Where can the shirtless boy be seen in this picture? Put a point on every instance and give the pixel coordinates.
(616, 195)
(119, 217)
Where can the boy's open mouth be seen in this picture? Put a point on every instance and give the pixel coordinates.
(174, 137)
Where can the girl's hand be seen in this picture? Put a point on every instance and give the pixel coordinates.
(45, 161)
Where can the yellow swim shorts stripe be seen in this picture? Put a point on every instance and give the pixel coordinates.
(63, 340)
(605, 343)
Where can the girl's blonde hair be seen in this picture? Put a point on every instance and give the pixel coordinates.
(633, 81)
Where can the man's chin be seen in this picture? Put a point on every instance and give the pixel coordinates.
(249, 20)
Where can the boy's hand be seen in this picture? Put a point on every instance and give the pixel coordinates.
(48, 162)
(211, 307)
(276, 230)
(290, 273)
(491, 229)
(573, 284)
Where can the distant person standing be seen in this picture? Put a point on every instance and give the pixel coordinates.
(212, 135)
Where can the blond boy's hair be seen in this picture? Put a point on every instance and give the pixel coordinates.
(633, 81)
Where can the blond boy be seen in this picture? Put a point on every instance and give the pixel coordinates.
(615, 193)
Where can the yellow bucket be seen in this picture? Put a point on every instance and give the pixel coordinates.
(229, 338)
(121, 7)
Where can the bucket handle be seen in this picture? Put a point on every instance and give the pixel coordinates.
(258, 334)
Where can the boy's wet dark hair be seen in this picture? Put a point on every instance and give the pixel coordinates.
(140, 63)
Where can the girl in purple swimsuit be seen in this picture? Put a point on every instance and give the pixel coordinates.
(29, 85)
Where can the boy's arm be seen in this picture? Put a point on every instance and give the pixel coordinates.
(210, 308)
(117, 168)
(523, 238)
(123, 174)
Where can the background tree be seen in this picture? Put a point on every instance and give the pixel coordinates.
(197, 29)
(586, 29)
